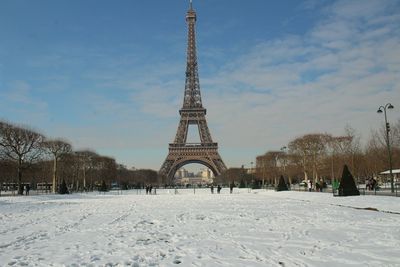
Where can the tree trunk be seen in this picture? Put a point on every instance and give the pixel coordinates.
(84, 179)
(332, 172)
(304, 168)
(55, 175)
(20, 187)
(314, 169)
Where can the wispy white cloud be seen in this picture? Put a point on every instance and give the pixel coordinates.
(259, 97)
(18, 99)
(336, 74)
(20, 91)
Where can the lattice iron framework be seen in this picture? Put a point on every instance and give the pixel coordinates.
(192, 113)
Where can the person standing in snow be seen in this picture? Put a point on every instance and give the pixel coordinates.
(368, 185)
(231, 187)
(317, 186)
(373, 184)
(27, 188)
(309, 185)
(212, 189)
(218, 189)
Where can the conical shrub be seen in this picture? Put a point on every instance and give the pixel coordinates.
(63, 188)
(282, 186)
(347, 186)
(103, 187)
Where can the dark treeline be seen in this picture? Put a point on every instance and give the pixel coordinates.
(319, 157)
(28, 157)
(241, 177)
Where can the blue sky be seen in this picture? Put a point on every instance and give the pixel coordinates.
(109, 75)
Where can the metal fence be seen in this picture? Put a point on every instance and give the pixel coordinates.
(382, 191)
(379, 191)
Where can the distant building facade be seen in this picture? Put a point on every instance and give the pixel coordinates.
(184, 177)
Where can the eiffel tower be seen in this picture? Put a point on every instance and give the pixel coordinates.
(192, 112)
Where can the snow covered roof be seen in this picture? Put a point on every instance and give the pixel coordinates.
(393, 171)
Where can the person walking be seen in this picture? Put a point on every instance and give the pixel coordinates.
(368, 185)
(218, 189)
(212, 189)
(317, 187)
(231, 187)
(321, 185)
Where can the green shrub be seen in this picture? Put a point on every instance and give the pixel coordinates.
(63, 188)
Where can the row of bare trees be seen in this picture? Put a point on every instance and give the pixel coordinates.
(28, 157)
(322, 156)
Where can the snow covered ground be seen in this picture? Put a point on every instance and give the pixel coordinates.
(257, 228)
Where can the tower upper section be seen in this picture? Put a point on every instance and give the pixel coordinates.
(192, 97)
(191, 14)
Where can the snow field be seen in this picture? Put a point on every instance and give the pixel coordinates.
(260, 228)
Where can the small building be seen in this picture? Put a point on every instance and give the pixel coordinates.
(396, 175)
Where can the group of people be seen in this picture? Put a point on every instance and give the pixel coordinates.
(231, 186)
(12, 187)
(25, 188)
(319, 186)
(218, 189)
(149, 188)
(370, 184)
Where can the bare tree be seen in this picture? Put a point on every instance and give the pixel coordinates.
(338, 148)
(310, 150)
(396, 144)
(299, 148)
(69, 169)
(232, 175)
(103, 169)
(86, 160)
(374, 156)
(396, 134)
(268, 166)
(376, 153)
(20, 145)
(146, 176)
(354, 148)
(57, 148)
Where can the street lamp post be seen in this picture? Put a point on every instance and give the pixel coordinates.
(283, 149)
(387, 127)
(251, 173)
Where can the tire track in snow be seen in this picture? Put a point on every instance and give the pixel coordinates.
(124, 216)
(26, 240)
(347, 206)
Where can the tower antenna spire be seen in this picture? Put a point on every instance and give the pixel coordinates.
(190, 4)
